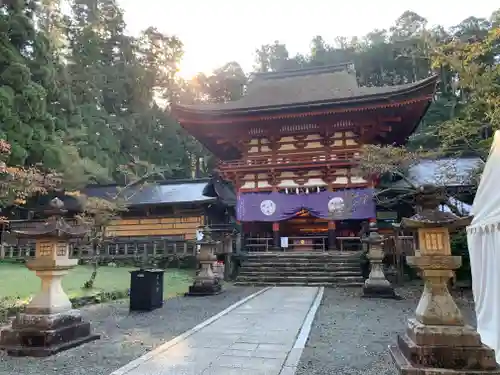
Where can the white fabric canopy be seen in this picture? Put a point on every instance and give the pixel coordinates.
(483, 237)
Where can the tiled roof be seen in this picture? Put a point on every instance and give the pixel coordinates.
(443, 172)
(172, 193)
(313, 85)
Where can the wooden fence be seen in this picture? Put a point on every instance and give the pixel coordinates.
(311, 243)
(115, 248)
(111, 250)
(396, 248)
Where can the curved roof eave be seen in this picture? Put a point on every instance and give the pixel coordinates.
(207, 109)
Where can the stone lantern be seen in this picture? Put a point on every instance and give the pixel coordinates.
(376, 286)
(437, 341)
(49, 324)
(224, 234)
(206, 283)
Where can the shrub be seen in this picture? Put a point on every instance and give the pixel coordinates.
(459, 247)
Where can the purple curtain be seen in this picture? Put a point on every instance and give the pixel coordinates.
(355, 204)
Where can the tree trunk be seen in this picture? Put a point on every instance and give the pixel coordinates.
(89, 284)
(93, 276)
(197, 170)
(414, 67)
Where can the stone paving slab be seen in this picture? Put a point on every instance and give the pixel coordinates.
(255, 338)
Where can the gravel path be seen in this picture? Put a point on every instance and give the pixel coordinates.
(350, 335)
(126, 336)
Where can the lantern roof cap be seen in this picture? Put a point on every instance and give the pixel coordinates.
(428, 199)
(435, 219)
(374, 238)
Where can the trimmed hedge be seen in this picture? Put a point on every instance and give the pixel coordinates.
(7, 312)
(172, 261)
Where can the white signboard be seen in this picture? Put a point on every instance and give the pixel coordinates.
(284, 242)
(199, 237)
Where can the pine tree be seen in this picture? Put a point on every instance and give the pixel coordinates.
(24, 85)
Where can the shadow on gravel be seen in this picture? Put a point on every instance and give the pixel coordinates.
(350, 335)
(124, 336)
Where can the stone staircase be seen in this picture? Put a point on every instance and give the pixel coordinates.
(312, 268)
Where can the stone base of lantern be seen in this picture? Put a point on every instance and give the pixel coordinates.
(442, 350)
(206, 282)
(205, 288)
(379, 291)
(377, 286)
(42, 335)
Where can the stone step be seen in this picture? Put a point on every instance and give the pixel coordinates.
(289, 283)
(293, 257)
(320, 265)
(301, 264)
(295, 278)
(317, 258)
(247, 272)
(315, 269)
(301, 260)
(308, 254)
(354, 271)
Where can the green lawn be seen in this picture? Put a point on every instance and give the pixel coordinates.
(17, 282)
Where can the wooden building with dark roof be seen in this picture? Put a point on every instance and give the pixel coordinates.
(170, 209)
(290, 146)
(161, 218)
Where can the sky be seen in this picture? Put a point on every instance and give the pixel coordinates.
(215, 32)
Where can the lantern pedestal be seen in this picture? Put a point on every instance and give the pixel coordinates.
(376, 286)
(437, 341)
(379, 291)
(42, 335)
(49, 324)
(206, 283)
(51, 299)
(447, 350)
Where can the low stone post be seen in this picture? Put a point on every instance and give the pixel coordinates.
(437, 341)
(376, 286)
(206, 283)
(49, 324)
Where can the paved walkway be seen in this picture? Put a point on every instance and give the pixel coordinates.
(263, 336)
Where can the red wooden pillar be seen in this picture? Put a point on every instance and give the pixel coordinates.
(332, 228)
(332, 236)
(276, 224)
(276, 236)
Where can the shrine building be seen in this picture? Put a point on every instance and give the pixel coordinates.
(291, 145)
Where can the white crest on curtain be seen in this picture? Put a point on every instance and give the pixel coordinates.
(267, 207)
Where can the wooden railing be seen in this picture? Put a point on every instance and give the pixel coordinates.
(399, 245)
(349, 243)
(339, 157)
(157, 248)
(258, 244)
(319, 243)
(314, 244)
(9, 251)
(136, 248)
(397, 248)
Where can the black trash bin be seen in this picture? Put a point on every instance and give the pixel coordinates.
(146, 290)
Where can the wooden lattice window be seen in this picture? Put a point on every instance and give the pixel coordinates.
(45, 249)
(61, 249)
